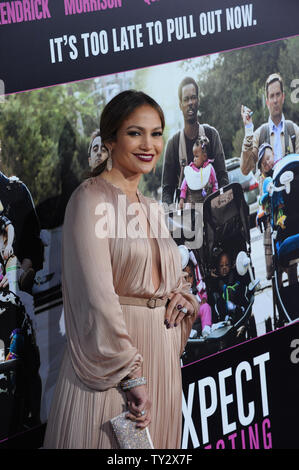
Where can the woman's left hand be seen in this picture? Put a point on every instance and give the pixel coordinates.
(177, 309)
(139, 406)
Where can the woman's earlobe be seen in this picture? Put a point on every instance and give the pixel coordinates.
(109, 146)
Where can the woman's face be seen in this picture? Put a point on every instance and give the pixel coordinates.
(139, 142)
(98, 153)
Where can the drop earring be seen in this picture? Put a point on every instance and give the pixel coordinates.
(109, 161)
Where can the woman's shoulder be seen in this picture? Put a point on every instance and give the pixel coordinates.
(91, 191)
(91, 185)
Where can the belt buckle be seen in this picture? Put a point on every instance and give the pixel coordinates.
(151, 303)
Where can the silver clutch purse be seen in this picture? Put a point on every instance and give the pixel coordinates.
(128, 436)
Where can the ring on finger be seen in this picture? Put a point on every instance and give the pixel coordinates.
(184, 310)
(142, 412)
(179, 307)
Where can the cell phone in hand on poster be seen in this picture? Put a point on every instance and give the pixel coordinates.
(226, 183)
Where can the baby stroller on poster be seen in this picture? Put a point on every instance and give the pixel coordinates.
(222, 276)
(280, 201)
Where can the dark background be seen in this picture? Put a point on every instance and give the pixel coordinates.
(25, 54)
(282, 385)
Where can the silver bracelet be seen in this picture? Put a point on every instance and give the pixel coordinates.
(131, 383)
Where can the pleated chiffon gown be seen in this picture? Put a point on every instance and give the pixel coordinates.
(107, 253)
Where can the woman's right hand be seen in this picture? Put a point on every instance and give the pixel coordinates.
(139, 406)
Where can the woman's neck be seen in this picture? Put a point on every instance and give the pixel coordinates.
(128, 184)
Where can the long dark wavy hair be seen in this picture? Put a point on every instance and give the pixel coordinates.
(115, 113)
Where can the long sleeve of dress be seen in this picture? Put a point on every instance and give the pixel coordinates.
(100, 348)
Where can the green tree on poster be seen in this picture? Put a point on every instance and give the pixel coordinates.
(30, 127)
(238, 77)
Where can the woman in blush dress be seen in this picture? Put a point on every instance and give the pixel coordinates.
(128, 310)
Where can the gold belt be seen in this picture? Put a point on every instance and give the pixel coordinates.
(140, 301)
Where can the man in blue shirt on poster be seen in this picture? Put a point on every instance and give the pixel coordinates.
(281, 134)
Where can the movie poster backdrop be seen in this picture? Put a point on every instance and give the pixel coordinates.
(70, 58)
